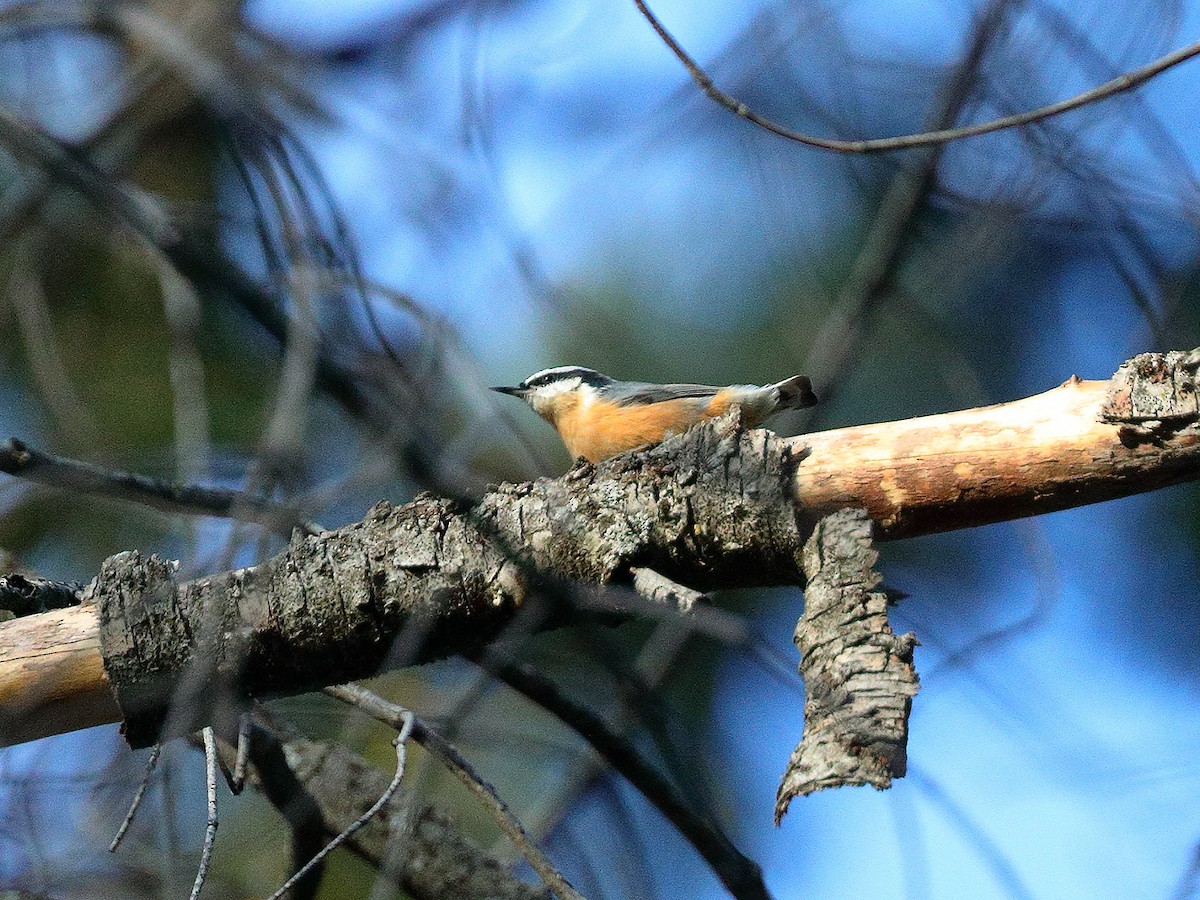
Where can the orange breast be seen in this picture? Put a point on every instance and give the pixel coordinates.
(599, 430)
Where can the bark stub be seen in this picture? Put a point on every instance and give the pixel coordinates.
(859, 678)
(1154, 388)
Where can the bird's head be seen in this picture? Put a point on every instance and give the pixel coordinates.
(550, 390)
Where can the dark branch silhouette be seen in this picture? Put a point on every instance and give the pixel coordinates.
(1117, 85)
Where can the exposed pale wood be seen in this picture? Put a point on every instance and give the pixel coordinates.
(51, 675)
(1023, 458)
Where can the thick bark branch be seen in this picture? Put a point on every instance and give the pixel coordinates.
(709, 508)
(24, 595)
(329, 608)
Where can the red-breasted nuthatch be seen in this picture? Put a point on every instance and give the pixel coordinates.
(598, 417)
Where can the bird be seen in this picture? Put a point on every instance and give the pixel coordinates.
(598, 416)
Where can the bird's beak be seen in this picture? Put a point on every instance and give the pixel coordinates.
(514, 391)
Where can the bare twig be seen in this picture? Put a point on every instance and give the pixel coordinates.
(47, 363)
(210, 831)
(658, 588)
(17, 458)
(740, 875)
(395, 716)
(1117, 85)
(321, 788)
(400, 742)
(235, 778)
(243, 754)
(137, 799)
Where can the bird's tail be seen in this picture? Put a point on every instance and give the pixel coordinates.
(795, 393)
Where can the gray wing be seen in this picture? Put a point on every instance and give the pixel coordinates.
(634, 393)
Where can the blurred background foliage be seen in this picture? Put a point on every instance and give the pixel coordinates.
(286, 246)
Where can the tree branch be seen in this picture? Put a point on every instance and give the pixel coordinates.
(330, 786)
(27, 595)
(1068, 447)
(19, 459)
(1121, 83)
(717, 506)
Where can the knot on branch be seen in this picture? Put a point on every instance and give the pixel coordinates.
(1154, 391)
(859, 678)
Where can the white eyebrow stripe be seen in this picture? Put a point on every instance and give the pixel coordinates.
(556, 370)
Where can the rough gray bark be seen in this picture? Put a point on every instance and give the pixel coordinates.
(859, 679)
(1155, 392)
(713, 504)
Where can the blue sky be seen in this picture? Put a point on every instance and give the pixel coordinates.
(511, 167)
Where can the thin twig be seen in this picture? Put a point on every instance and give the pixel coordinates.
(47, 363)
(400, 742)
(834, 345)
(658, 588)
(235, 779)
(17, 458)
(137, 799)
(1117, 85)
(243, 754)
(392, 714)
(740, 875)
(210, 831)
